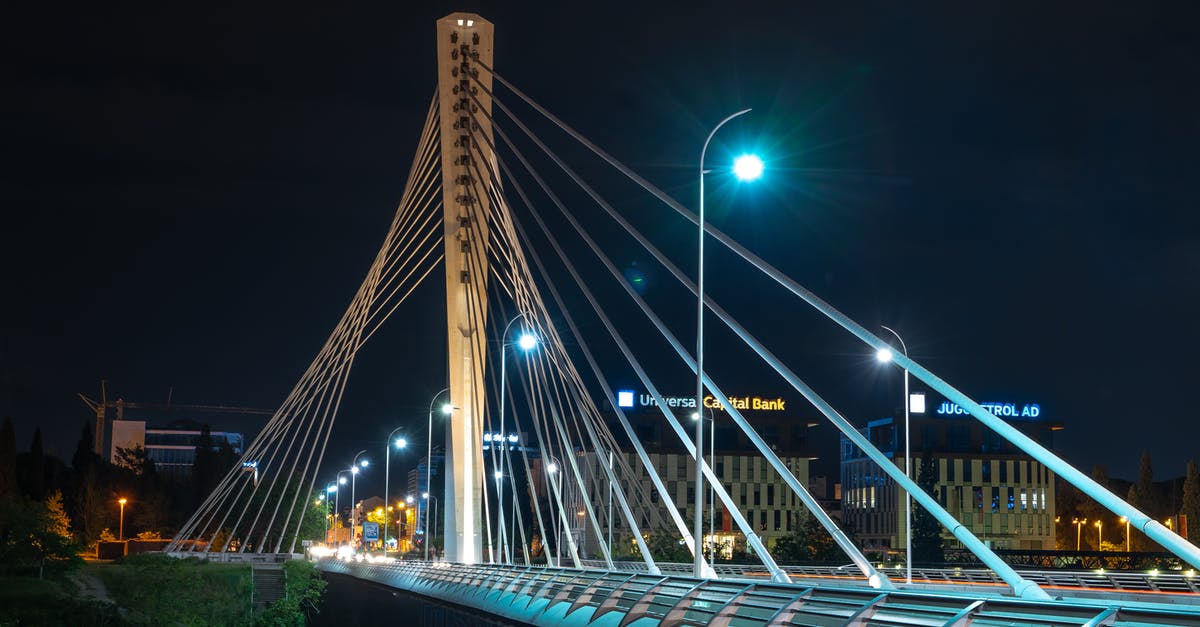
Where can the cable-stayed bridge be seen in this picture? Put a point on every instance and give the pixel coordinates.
(525, 243)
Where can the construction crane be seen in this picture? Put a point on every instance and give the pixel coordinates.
(101, 408)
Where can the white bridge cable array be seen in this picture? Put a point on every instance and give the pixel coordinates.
(1164, 536)
(245, 510)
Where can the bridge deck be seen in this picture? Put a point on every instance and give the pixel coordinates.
(565, 596)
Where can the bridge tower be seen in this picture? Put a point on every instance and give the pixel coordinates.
(464, 117)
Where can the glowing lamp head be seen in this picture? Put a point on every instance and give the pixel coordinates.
(695, 415)
(354, 470)
(499, 475)
(122, 501)
(364, 463)
(401, 443)
(330, 489)
(424, 495)
(447, 409)
(747, 167)
(341, 480)
(552, 467)
(408, 499)
(527, 341)
(884, 355)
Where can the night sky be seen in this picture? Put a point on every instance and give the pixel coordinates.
(191, 197)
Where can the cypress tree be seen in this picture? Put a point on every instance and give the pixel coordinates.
(1191, 502)
(8, 460)
(37, 467)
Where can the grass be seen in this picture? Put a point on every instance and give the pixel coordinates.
(157, 589)
(31, 601)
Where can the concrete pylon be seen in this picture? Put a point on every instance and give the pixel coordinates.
(465, 110)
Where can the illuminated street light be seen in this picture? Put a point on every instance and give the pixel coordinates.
(745, 168)
(527, 341)
(447, 409)
(1079, 523)
(1125, 519)
(354, 466)
(1100, 535)
(748, 167)
(387, 475)
(885, 355)
(121, 528)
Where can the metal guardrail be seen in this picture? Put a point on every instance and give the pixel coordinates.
(553, 596)
(1179, 582)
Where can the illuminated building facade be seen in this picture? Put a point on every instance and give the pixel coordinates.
(1001, 494)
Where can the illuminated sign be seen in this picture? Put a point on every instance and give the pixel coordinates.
(625, 398)
(1000, 410)
(916, 402)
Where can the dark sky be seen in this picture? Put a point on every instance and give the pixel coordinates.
(191, 197)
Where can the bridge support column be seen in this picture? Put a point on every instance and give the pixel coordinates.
(461, 39)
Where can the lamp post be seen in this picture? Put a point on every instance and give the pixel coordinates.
(551, 469)
(1079, 523)
(712, 440)
(885, 355)
(121, 527)
(329, 489)
(527, 342)
(446, 409)
(354, 466)
(387, 475)
(337, 498)
(1100, 535)
(746, 168)
(425, 496)
(1125, 519)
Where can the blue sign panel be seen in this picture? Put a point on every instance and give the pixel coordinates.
(1028, 411)
(370, 532)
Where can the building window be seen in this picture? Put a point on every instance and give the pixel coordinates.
(757, 496)
(978, 497)
(1003, 472)
(985, 471)
(777, 522)
(770, 495)
(967, 467)
(950, 470)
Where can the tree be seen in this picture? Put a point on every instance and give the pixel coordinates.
(810, 543)
(927, 544)
(84, 456)
(37, 467)
(1191, 502)
(8, 460)
(205, 473)
(135, 458)
(1141, 497)
(35, 535)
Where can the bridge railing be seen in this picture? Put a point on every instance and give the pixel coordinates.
(1182, 582)
(552, 596)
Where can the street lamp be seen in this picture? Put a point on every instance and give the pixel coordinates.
(429, 536)
(329, 489)
(527, 342)
(712, 442)
(1125, 519)
(387, 475)
(747, 168)
(1100, 535)
(1079, 523)
(354, 466)
(447, 408)
(885, 355)
(121, 528)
